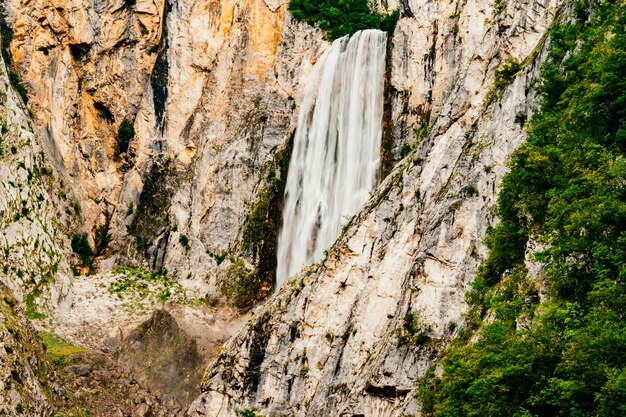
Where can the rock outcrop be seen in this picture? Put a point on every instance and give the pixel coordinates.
(228, 112)
(353, 336)
(164, 357)
(37, 208)
(85, 65)
(25, 376)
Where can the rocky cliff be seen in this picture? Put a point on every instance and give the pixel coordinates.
(210, 89)
(37, 207)
(165, 126)
(27, 378)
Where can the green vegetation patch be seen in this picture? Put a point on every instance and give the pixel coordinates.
(505, 73)
(30, 299)
(125, 135)
(248, 412)
(82, 249)
(414, 330)
(260, 228)
(18, 85)
(138, 283)
(241, 285)
(567, 191)
(343, 17)
(58, 350)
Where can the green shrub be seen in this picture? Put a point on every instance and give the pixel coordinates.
(341, 18)
(471, 190)
(414, 331)
(406, 149)
(82, 248)
(18, 85)
(507, 71)
(520, 119)
(125, 135)
(248, 412)
(241, 286)
(219, 258)
(16, 376)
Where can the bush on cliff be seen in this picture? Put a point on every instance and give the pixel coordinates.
(342, 17)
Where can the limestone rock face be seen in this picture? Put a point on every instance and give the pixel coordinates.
(211, 89)
(234, 70)
(354, 336)
(37, 209)
(85, 64)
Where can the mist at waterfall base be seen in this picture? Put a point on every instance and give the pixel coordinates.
(336, 154)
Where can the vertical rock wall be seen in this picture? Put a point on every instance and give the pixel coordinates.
(25, 377)
(37, 208)
(233, 82)
(85, 64)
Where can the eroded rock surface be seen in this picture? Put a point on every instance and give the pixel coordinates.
(96, 385)
(37, 209)
(211, 89)
(26, 379)
(164, 357)
(86, 65)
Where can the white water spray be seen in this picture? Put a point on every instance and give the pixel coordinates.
(336, 152)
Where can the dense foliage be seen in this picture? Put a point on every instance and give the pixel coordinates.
(125, 135)
(342, 17)
(82, 248)
(18, 85)
(567, 191)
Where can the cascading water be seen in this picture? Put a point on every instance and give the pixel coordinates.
(336, 153)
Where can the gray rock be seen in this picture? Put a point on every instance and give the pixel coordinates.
(142, 410)
(79, 370)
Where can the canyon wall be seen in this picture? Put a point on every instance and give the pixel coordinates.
(211, 90)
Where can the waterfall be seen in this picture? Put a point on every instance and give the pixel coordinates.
(336, 154)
